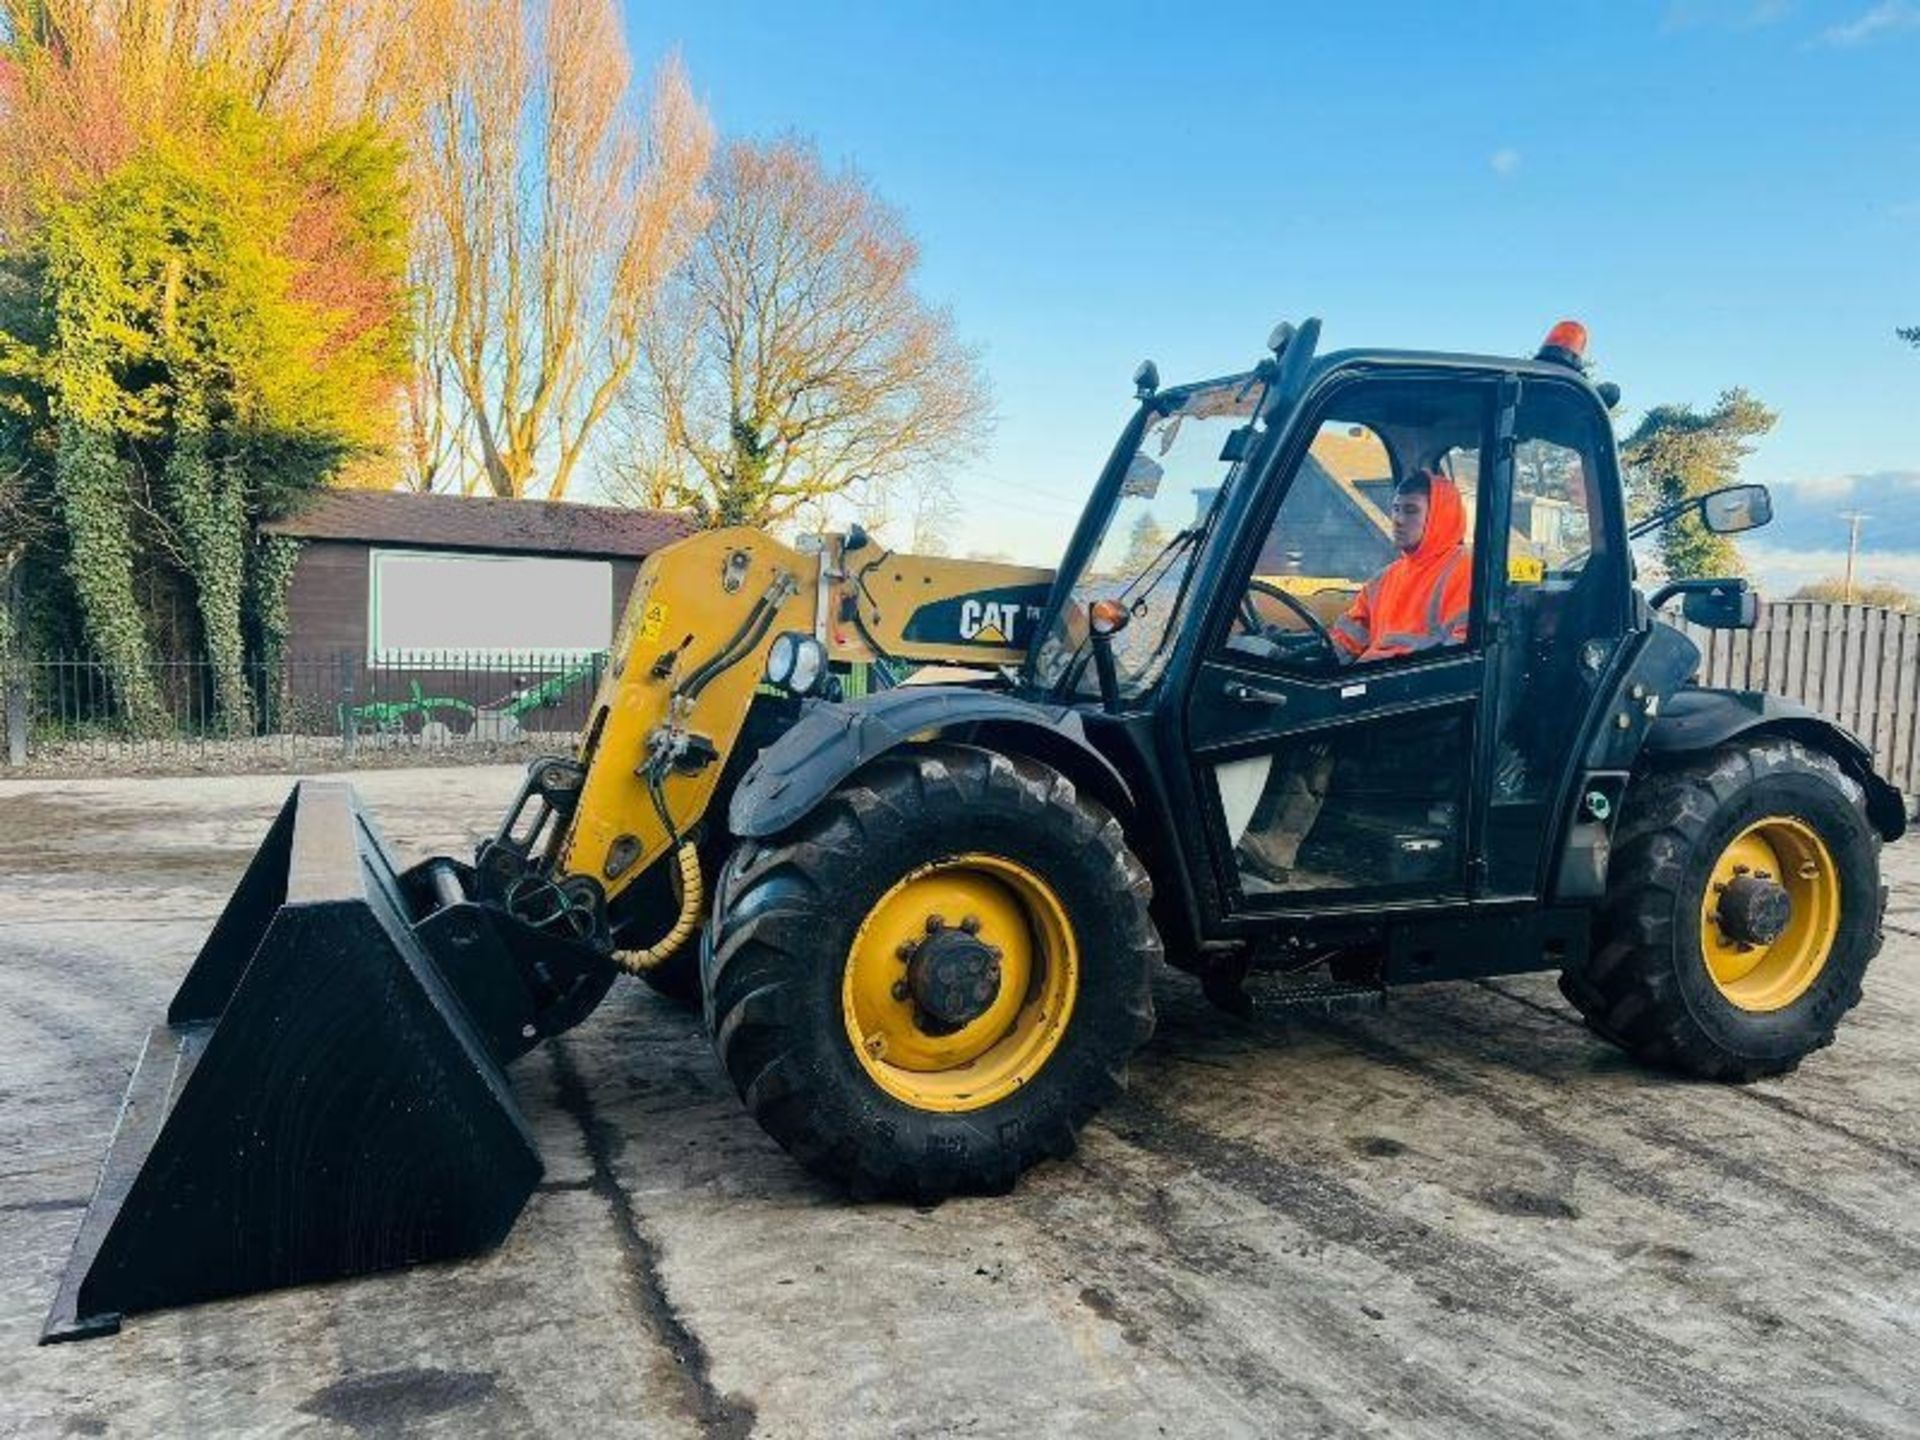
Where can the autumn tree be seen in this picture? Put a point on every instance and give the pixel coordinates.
(1677, 452)
(792, 360)
(548, 210)
(201, 314)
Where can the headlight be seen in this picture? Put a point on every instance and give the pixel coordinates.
(797, 663)
(809, 666)
(781, 657)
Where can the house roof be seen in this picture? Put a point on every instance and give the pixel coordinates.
(456, 522)
(1351, 456)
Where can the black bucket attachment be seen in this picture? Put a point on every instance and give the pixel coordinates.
(327, 1095)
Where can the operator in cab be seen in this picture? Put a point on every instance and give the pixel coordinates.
(1421, 600)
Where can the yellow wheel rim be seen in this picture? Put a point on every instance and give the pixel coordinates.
(932, 1067)
(1773, 975)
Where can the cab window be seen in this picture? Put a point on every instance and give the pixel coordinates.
(1316, 598)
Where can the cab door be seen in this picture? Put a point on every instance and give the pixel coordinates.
(1559, 618)
(1324, 784)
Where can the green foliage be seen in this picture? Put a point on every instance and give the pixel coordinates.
(195, 342)
(92, 488)
(269, 578)
(1677, 452)
(1910, 334)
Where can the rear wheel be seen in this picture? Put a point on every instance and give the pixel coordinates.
(1743, 908)
(934, 980)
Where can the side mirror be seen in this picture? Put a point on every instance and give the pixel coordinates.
(1728, 605)
(856, 538)
(1146, 379)
(1737, 508)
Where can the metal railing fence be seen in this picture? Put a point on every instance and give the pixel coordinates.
(63, 708)
(61, 711)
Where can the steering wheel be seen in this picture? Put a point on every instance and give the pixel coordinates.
(1250, 617)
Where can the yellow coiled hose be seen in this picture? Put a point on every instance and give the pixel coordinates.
(692, 895)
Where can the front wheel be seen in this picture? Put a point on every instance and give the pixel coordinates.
(1743, 907)
(935, 979)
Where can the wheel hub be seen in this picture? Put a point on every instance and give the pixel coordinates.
(1770, 913)
(1754, 911)
(954, 978)
(960, 982)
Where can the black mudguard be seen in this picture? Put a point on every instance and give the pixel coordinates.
(831, 741)
(1697, 719)
(1655, 711)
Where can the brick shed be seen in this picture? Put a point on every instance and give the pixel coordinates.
(467, 599)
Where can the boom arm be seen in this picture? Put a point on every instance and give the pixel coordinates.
(691, 651)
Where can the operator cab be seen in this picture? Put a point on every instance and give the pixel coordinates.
(1245, 531)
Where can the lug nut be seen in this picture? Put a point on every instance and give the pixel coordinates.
(901, 990)
(971, 924)
(904, 950)
(935, 924)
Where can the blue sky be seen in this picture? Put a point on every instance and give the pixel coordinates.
(1726, 191)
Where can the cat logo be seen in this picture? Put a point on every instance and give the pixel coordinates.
(988, 622)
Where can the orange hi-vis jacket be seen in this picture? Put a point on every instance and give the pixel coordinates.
(1421, 600)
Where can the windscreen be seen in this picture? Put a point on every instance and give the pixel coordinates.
(1151, 531)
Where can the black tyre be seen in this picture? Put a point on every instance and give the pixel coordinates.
(1743, 907)
(936, 978)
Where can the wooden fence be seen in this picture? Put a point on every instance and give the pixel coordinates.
(1856, 664)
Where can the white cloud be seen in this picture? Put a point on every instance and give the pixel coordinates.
(1505, 162)
(1823, 487)
(1886, 18)
(1780, 572)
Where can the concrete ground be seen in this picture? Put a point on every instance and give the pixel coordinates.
(1460, 1216)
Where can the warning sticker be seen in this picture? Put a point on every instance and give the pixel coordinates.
(653, 620)
(1526, 569)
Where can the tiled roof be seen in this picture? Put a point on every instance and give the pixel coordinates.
(455, 522)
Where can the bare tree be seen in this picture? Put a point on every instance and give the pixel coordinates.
(936, 510)
(548, 212)
(792, 361)
(436, 427)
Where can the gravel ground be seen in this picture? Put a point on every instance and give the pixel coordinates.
(1462, 1215)
(287, 755)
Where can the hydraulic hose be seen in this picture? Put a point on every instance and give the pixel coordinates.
(692, 896)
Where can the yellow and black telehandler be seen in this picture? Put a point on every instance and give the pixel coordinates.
(923, 923)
